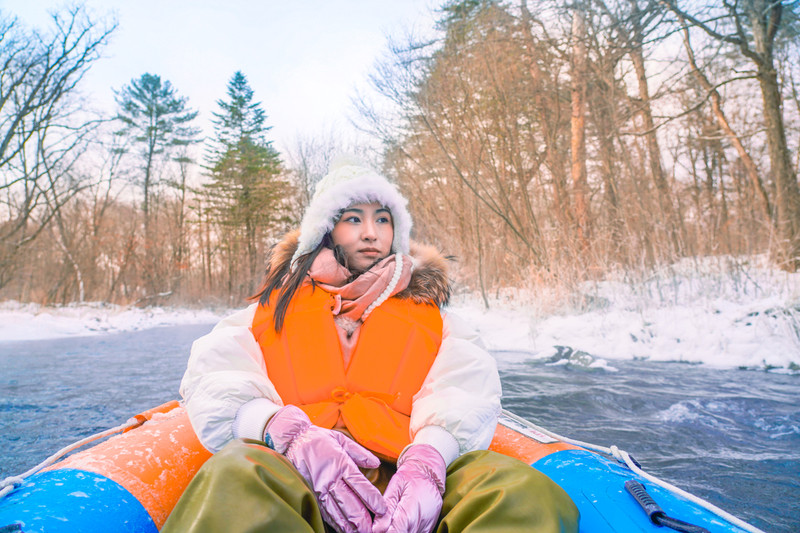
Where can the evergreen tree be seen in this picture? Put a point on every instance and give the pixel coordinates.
(158, 121)
(246, 189)
(240, 118)
(157, 118)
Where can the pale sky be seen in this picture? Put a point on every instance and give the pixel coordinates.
(304, 59)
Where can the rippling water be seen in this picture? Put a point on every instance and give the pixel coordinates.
(731, 437)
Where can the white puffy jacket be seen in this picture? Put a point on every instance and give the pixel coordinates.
(228, 394)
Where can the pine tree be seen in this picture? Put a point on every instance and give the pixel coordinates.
(158, 120)
(240, 118)
(246, 189)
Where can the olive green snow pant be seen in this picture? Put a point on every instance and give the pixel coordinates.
(247, 487)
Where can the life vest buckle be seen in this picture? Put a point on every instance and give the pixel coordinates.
(340, 395)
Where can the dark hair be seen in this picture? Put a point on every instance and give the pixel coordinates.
(287, 281)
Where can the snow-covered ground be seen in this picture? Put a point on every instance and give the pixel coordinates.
(722, 312)
(19, 322)
(725, 313)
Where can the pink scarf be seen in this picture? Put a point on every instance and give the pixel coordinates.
(354, 300)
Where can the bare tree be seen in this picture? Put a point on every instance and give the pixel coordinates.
(42, 132)
(310, 158)
(751, 27)
(724, 124)
(578, 76)
(158, 121)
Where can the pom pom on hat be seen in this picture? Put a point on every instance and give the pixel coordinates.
(350, 182)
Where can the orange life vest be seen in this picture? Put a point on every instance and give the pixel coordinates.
(396, 347)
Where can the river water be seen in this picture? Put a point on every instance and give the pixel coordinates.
(729, 436)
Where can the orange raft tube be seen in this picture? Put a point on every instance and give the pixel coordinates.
(132, 481)
(154, 462)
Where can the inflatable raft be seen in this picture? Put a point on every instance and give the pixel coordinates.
(131, 481)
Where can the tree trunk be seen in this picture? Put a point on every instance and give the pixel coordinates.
(580, 186)
(549, 120)
(722, 120)
(649, 128)
(787, 196)
(481, 280)
(765, 19)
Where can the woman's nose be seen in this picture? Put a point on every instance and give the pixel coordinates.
(368, 232)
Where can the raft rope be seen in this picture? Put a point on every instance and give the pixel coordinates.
(625, 458)
(10, 483)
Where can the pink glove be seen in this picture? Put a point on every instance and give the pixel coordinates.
(414, 494)
(329, 461)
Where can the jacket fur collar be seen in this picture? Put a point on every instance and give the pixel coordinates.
(429, 279)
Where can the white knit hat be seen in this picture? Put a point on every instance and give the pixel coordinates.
(350, 182)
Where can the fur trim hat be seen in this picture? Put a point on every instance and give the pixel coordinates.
(350, 182)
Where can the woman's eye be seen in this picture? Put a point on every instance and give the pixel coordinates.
(385, 220)
(353, 219)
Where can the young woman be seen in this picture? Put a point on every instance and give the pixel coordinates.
(346, 398)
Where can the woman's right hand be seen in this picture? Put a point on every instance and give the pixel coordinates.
(329, 461)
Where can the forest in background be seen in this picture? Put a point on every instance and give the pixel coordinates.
(546, 142)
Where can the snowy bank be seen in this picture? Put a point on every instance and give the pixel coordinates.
(20, 322)
(723, 313)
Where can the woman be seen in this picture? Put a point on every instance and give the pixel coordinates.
(347, 397)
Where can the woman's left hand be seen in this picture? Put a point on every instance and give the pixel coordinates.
(414, 494)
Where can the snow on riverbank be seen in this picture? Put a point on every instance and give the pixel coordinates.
(19, 322)
(721, 313)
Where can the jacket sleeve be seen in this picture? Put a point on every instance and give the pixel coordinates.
(456, 409)
(226, 390)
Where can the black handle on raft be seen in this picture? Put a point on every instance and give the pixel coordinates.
(655, 513)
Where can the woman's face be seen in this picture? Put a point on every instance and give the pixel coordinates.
(365, 233)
